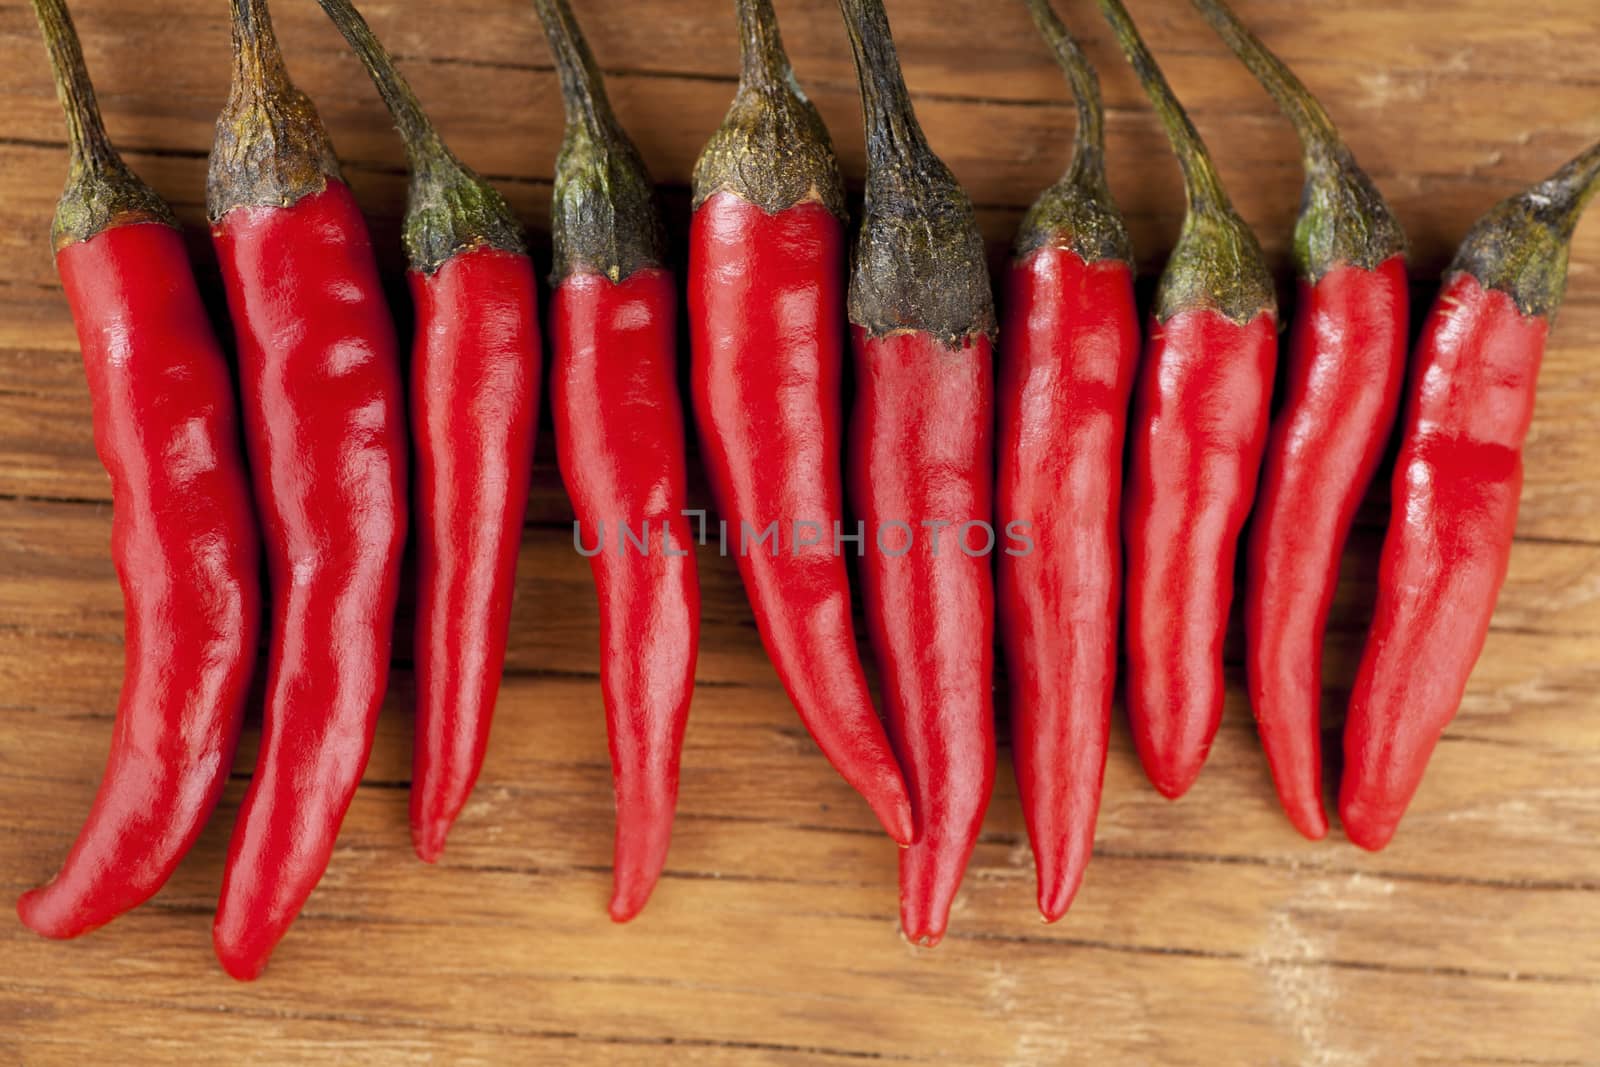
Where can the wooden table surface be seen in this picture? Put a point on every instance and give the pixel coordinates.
(1207, 931)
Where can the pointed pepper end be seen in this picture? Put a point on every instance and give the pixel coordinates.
(1367, 827)
(627, 901)
(1057, 890)
(40, 912)
(894, 812)
(1309, 819)
(1174, 777)
(923, 922)
(244, 957)
(428, 837)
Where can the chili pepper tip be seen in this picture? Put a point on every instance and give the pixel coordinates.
(1308, 817)
(920, 934)
(428, 837)
(1173, 774)
(627, 901)
(892, 806)
(1055, 899)
(40, 912)
(1366, 827)
(241, 962)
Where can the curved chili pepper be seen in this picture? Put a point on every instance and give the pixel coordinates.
(1346, 363)
(920, 463)
(1469, 402)
(620, 446)
(1069, 348)
(474, 403)
(183, 532)
(766, 315)
(324, 422)
(1199, 423)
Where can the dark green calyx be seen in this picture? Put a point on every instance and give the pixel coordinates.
(270, 149)
(772, 149)
(1077, 215)
(449, 209)
(1344, 220)
(1521, 245)
(101, 191)
(1078, 212)
(603, 217)
(919, 260)
(1217, 264)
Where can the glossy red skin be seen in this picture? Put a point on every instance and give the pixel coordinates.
(1069, 351)
(1469, 402)
(921, 440)
(324, 422)
(474, 404)
(183, 537)
(1196, 436)
(766, 309)
(1346, 365)
(620, 446)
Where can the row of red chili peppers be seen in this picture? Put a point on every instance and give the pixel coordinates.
(326, 464)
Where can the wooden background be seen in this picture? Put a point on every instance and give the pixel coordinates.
(1207, 932)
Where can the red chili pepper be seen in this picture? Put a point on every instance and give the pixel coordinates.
(1069, 349)
(1469, 402)
(766, 316)
(474, 403)
(921, 462)
(620, 446)
(1347, 357)
(324, 422)
(1197, 431)
(183, 531)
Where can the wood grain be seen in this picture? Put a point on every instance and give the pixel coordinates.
(1207, 932)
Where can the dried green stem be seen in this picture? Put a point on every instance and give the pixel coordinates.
(1521, 246)
(1217, 264)
(772, 149)
(1343, 219)
(1077, 212)
(1317, 132)
(603, 215)
(1089, 143)
(919, 259)
(270, 148)
(762, 60)
(423, 146)
(101, 191)
(449, 209)
(1200, 181)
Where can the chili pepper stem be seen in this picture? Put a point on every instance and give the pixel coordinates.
(1217, 263)
(1315, 128)
(772, 149)
(919, 259)
(449, 209)
(1078, 211)
(1522, 244)
(1089, 143)
(1344, 219)
(270, 147)
(603, 214)
(101, 191)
